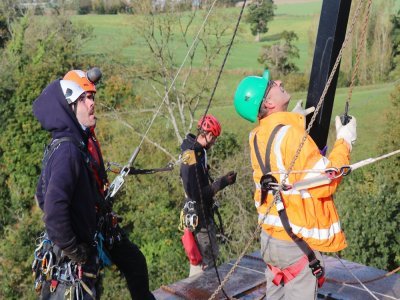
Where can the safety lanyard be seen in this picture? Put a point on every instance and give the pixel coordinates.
(267, 167)
(265, 181)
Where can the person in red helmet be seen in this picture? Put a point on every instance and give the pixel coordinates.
(199, 189)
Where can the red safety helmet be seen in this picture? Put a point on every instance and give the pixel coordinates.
(210, 124)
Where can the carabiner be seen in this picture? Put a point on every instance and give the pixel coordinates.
(345, 170)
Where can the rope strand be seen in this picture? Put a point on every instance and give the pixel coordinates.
(176, 75)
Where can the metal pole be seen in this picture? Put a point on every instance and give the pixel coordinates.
(331, 33)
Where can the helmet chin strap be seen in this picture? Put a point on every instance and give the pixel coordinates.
(74, 107)
(208, 143)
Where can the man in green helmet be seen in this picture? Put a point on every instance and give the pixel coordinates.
(297, 224)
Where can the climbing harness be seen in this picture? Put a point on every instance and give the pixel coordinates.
(289, 273)
(269, 183)
(55, 274)
(189, 214)
(52, 147)
(108, 231)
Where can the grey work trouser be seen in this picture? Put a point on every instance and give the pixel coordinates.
(209, 251)
(282, 254)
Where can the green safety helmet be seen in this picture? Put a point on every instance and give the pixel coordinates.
(249, 96)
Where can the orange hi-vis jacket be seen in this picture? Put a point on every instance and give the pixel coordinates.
(311, 212)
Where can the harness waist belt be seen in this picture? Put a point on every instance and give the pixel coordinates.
(288, 273)
(291, 272)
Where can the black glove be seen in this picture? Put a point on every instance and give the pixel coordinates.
(224, 181)
(77, 253)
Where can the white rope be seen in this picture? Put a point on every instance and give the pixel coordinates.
(353, 167)
(176, 76)
(368, 161)
(359, 281)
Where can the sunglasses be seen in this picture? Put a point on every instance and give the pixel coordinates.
(271, 84)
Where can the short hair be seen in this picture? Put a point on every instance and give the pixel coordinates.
(263, 111)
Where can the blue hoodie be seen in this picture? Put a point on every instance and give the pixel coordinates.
(66, 190)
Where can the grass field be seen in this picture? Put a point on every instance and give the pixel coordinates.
(369, 104)
(118, 32)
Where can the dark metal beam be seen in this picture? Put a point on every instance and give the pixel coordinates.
(331, 33)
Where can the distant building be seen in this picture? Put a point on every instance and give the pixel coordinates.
(160, 4)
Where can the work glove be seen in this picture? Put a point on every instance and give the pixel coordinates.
(77, 253)
(347, 132)
(300, 110)
(224, 181)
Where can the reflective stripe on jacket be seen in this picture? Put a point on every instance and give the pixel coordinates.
(312, 213)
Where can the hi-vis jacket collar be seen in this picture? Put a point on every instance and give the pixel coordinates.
(288, 118)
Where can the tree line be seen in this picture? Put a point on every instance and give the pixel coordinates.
(34, 52)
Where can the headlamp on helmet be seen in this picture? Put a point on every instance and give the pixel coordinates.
(87, 80)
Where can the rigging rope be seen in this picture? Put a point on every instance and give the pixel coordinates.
(353, 167)
(225, 58)
(359, 281)
(359, 51)
(286, 176)
(388, 274)
(357, 63)
(201, 125)
(177, 73)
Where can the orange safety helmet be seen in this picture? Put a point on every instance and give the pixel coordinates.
(210, 123)
(83, 79)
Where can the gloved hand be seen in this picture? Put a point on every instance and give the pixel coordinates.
(347, 132)
(300, 110)
(230, 177)
(224, 181)
(77, 253)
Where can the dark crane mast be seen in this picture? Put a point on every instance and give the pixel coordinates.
(330, 37)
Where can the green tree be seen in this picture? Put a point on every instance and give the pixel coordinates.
(161, 33)
(4, 34)
(369, 203)
(39, 51)
(259, 15)
(395, 36)
(277, 57)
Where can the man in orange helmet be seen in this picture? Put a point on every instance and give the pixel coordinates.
(82, 232)
(123, 253)
(199, 190)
